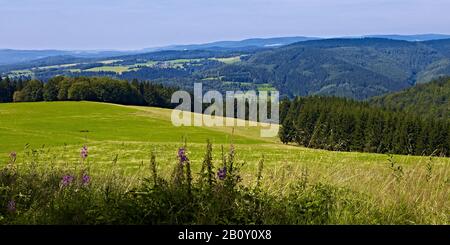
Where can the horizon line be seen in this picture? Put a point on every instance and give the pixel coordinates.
(225, 40)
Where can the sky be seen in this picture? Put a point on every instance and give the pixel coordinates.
(137, 24)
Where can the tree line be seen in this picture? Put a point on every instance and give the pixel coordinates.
(344, 125)
(102, 89)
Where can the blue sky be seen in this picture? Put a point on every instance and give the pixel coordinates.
(136, 24)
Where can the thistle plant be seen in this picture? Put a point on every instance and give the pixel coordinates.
(85, 179)
(429, 168)
(259, 174)
(178, 172)
(182, 172)
(206, 172)
(153, 168)
(397, 170)
(231, 157)
(84, 153)
(304, 178)
(222, 173)
(11, 206)
(67, 180)
(12, 157)
(232, 175)
(8, 175)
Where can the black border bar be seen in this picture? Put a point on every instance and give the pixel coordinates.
(428, 234)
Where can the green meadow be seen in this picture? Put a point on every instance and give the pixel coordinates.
(125, 136)
(228, 60)
(106, 68)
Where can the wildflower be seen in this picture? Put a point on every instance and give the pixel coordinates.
(222, 173)
(85, 179)
(11, 206)
(67, 180)
(13, 156)
(84, 152)
(182, 155)
(232, 149)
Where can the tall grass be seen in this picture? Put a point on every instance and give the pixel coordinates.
(36, 191)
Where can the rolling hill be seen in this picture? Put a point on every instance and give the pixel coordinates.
(358, 68)
(431, 99)
(246, 43)
(413, 38)
(12, 56)
(355, 68)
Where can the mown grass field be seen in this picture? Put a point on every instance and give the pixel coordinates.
(57, 131)
(116, 69)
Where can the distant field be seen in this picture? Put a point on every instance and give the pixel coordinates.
(116, 69)
(229, 60)
(114, 65)
(57, 66)
(147, 64)
(59, 129)
(18, 73)
(108, 62)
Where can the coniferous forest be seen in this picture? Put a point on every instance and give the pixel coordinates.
(430, 99)
(344, 125)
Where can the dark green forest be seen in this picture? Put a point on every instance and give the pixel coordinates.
(344, 125)
(352, 68)
(429, 100)
(102, 89)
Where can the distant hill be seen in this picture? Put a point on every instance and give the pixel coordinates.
(281, 41)
(413, 38)
(46, 61)
(431, 99)
(11, 56)
(356, 68)
(247, 43)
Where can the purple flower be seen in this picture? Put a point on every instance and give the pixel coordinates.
(222, 173)
(85, 179)
(84, 152)
(182, 155)
(11, 206)
(67, 180)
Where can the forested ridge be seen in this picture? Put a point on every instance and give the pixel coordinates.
(358, 68)
(344, 125)
(431, 99)
(352, 68)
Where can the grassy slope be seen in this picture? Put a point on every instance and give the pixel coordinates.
(55, 124)
(130, 133)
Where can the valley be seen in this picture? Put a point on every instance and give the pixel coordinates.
(358, 68)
